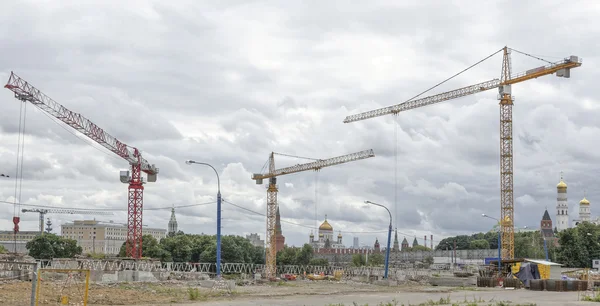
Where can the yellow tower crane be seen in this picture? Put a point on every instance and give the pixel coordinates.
(270, 267)
(561, 69)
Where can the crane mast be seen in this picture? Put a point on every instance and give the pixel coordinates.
(272, 190)
(25, 92)
(43, 213)
(560, 68)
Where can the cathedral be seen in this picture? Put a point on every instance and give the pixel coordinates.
(326, 239)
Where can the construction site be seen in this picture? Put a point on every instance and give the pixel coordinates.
(117, 261)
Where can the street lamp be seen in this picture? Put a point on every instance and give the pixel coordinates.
(499, 243)
(387, 250)
(189, 162)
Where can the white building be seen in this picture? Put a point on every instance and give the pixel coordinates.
(326, 237)
(103, 237)
(562, 206)
(355, 244)
(585, 214)
(172, 226)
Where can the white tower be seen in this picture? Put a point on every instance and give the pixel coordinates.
(584, 210)
(172, 227)
(562, 207)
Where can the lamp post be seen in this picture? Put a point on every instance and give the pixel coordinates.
(189, 162)
(387, 250)
(499, 243)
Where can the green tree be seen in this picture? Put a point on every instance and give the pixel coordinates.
(376, 260)
(150, 249)
(420, 248)
(319, 262)
(50, 246)
(358, 260)
(287, 256)
(3, 250)
(304, 255)
(579, 245)
(479, 244)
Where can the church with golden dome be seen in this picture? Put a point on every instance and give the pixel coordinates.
(562, 208)
(326, 237)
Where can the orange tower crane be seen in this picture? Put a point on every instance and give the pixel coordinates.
(561, 69)
(272, 174)
(26, 93)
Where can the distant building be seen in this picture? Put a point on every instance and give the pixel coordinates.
(21, 235)
(172, 226)
(396, 247)
(415, 242)
(326, 239)
(355, 244)
(376, 247)
(255, 240)
(100, 237)
(562, 206)
(7, 240)
(585, 214)
(279, 238)
(546, 225)
(405, 245)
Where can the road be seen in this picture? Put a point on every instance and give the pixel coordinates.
(486, 297)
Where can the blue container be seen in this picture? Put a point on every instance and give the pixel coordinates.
(488, 260)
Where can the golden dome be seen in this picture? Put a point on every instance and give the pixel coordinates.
(340, 235)
(561, 184)
(584, 201)
(325, 226)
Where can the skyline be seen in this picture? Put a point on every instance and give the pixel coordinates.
(227, 84)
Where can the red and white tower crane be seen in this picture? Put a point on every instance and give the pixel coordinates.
(26, 93)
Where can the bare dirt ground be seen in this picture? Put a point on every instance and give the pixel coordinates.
(283, 293)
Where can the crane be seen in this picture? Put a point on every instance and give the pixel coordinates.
(561, 69)
(27, 93)
(272, 206)
(43, 212)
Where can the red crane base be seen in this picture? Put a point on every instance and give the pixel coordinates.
(134, 215)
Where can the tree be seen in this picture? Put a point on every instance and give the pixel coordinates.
(376, 259)
(287, 256)
(150, 249)
(3, 250)
(579, 245)
(304, 255)
(358, 260)
(479, 244)
(50, 246)
(420, 248)
(319, 262)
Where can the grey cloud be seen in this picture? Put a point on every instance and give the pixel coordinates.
(205, 82)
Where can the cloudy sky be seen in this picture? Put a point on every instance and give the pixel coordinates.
(228, 83)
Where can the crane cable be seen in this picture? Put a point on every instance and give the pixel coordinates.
(396, 170)
(22, 156)
(316, 198)
(19, 166)
(455, 75)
